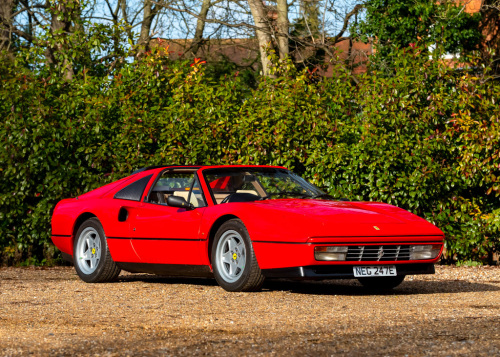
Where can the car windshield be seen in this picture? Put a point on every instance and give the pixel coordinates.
(263, 183)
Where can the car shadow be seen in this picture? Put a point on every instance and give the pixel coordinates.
(330, 287)
(158, 279)
(352, 287)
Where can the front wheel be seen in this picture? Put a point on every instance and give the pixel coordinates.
(93, 262)
(382, 283)
(233, 259)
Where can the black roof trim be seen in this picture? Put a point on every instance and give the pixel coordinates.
(159, 166)
(134, 191)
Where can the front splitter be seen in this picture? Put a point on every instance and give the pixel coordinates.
(318, 272)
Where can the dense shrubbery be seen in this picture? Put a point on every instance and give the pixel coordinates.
(425, 138)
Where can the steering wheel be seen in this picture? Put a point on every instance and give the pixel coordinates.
(227, 198)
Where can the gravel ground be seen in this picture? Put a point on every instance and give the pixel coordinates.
(52, 312)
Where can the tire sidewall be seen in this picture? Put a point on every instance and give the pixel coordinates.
(238, 226)
(93, 277)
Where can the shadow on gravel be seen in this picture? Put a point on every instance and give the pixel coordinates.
(156, 279)
(330, 287)
(351, 287)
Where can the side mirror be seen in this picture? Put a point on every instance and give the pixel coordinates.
(180, 202)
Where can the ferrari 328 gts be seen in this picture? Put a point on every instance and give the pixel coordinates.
(241, 225)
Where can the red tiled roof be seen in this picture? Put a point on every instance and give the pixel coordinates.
(244, 52)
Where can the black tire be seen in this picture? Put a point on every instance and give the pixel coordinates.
(382, 283)
(91, 256)
(246, 274)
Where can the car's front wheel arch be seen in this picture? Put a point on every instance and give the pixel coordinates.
(213, 231)
(235, 266)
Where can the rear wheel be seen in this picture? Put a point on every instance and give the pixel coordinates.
(233, 259)
(382, 283)
(93, 262)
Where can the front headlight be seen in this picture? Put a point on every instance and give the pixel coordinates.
(330, 253)
(424, 252)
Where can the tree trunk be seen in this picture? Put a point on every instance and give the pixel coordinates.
(263, 32)
(63, 12)
(6, 7)
(490, 28)
(144, 36)
(282, 27)
(200, 27)
(128, 27)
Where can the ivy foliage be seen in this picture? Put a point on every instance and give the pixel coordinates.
(424, 137)
(395, 24)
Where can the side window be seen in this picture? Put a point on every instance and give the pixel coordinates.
(178, 183)
(133, 192)
(197, 198)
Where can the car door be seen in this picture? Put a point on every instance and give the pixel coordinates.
(117, 214)
(170, 235)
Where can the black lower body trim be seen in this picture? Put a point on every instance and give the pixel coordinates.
(67, 257)
(339, 271)
(199, 271)
(146, 238)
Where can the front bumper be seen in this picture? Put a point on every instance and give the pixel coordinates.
(319, 272)
(279, 255)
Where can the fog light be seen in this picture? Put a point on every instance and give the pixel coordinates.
(330, 253)
(424, 252)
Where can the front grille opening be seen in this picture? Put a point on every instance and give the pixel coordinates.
(378, 253)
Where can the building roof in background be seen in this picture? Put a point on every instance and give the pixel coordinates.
(245, 52)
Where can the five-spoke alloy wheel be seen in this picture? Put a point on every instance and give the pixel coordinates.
(91, 255)
(233, 258)
(88, 250)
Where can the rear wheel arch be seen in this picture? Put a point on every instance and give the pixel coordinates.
(79, 221)
(92, 259)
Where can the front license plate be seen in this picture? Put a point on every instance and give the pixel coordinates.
(363, 272)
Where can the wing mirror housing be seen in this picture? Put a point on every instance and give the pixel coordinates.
(179, 202)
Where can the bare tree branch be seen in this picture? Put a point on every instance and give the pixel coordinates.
(211, 21)
(354, 11)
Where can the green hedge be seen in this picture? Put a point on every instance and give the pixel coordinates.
(425, 138)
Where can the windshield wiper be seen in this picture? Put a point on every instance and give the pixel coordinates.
(323, 195)
(279, 194)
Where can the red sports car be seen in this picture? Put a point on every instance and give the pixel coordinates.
(240, 224)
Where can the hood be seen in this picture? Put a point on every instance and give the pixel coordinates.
(307, 218)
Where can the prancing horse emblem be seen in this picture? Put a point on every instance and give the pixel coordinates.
(376, 228)
(380, 253)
